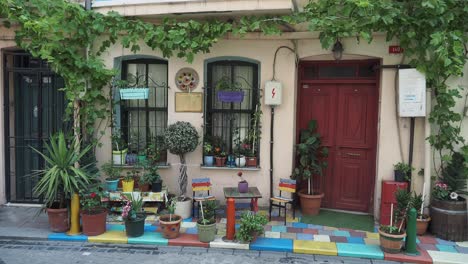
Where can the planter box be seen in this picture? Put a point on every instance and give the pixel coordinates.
(230, 96)
(134, 93)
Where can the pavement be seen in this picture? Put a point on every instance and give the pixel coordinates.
(294, 242)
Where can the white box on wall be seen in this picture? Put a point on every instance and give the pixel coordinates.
(273, 93)
(412, 93)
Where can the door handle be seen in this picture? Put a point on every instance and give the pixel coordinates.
(353, 154)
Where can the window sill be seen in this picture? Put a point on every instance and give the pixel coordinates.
(230, 168)
(161, 166)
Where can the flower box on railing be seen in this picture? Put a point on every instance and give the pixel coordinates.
(134, 93)
(230, 96)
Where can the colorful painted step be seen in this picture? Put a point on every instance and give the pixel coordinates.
(359, 251)
(65, 237)
(315, 247)
(272, 244)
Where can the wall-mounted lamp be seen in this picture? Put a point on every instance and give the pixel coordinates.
(337, 50)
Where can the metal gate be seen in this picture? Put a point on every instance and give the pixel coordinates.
(34, 109)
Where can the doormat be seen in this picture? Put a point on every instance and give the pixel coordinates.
(341, 220)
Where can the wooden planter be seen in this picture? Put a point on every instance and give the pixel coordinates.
(391, 243)
(449, 220)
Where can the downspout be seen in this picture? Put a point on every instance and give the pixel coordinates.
(427, 151)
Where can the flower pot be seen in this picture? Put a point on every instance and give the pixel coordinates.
(208, 160)
(243, 187)
(156, 186)
(141, 158)
(131, 159)
(240, 161)
(94, 224)
(144, 187)
(399, 176)
(134, 93)
(58, 219)
(118, 157)
(422, 224)
(206, 233)
(170, 226)
(449, 220)
(230, 96)
(184, 208)
(127, 186)
(251, 161)
(111, 185)
(135, 228)
(391, 243)
(220, 161)
(310, 203)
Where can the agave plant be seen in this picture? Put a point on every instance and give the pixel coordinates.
(60, 178)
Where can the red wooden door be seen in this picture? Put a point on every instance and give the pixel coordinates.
(346, 113)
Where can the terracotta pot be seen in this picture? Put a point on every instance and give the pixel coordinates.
(391, 243)
(144, 187)
(220, 161)
(170, 226)
(94, 224)
(421, 225)
(251, 161)
(310, 204)
(58, 219)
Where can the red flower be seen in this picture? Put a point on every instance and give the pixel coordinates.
(239, 174)
(92, 195)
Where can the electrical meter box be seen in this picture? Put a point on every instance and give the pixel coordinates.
(412, 93)
(273, 93)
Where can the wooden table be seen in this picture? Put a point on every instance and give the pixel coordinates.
(232, 193)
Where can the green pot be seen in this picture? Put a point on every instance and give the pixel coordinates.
(206, 233)
(141, 158)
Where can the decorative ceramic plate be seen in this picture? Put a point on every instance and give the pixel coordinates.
(186, 79)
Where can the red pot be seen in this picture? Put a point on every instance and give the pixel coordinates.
(145, 187)
(58, 219)
(251, 161)
(220, 161)
(94, 223)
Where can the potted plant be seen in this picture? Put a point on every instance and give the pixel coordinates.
(310, 155)
(402, 172)
(170, 223)
(228, 91)
(253, 138)
(134, 216)
(133, 88)
(181, 138)
(422, 220)
(243, 185)
(119, 150)
(113, 176)
(448, 208)
(208, 158)
(403, 204)
(128, 182)
(151, 176)
(207, 224)
(391, 238)
(93, 214)
(141, 156)
(220, 157)
(60, 179)
(251, 226)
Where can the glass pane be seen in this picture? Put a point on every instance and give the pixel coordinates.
(366, 71)
(310, 73)
(333, 71)
(136, 77)
(157, 82)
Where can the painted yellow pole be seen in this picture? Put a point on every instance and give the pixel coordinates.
(74, 215)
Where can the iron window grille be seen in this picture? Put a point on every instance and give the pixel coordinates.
(142, 122)
(227, 124)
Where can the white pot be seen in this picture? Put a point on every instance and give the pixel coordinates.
(118, 157)
(240, 161)
(184, 208)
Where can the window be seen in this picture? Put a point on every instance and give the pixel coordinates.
(229, 125)
(142, 121)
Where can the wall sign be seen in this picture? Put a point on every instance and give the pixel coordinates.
(189, 102)
(395, 49)
(186, 79)
(412, 93)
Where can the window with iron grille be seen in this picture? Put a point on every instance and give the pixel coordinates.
(229, 124)
(142, 121)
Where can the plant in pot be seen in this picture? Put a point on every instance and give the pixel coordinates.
(170, 223)
(391, 238)
(448, 208)
(402, 172)
(220, 157)
(60, 179)
(403, 204)
(133, 215)
(128, 181)
(133, 88)
(251, 226)
(239, 150)
(208, 158)
(228, 91)
(151, 177)
(119, 147)
(207, 224)
(422, 220)
(180, 139)
(113, 176)
(253, 138)
(310, 155)
(243, 185)
(93, 214)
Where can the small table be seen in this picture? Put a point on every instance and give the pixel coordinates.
(232, 193)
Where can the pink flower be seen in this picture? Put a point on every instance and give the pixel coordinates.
(93, 195)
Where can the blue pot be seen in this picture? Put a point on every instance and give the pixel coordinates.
(208, 160)
(111, 185)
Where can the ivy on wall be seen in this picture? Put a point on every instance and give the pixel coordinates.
(433, 34)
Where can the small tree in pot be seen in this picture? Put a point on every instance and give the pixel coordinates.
(207, 225)
(181, 138)
(310, 155)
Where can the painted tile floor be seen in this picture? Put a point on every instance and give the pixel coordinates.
(294, 237)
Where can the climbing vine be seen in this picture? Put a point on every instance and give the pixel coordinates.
(433, 34)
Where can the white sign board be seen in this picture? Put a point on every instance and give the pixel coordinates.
(412, 93)
(273, 93)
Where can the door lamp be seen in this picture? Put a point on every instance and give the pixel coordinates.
(337, 50)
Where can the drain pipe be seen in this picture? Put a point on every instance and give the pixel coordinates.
(271, 149)
(427, 151)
